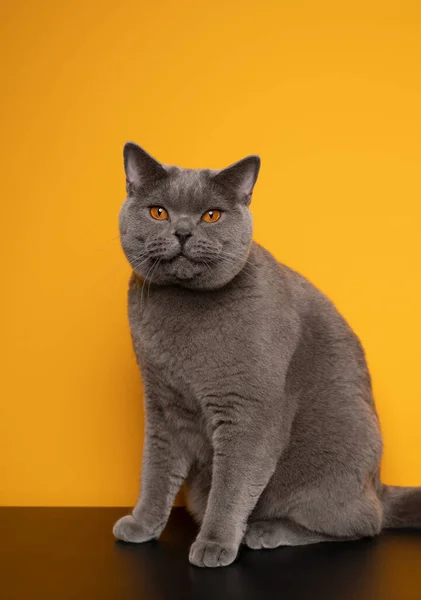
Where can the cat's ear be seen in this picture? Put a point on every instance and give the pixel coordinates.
(240, 177)
(140, 167)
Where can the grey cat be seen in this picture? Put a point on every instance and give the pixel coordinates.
(257, 391)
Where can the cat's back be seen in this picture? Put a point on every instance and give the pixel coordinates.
(292, 290)
(288, 291)
(326, 342)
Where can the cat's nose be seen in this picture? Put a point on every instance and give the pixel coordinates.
(183, 236)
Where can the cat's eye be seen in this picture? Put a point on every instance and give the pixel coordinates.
(211, 216)
(158, 213)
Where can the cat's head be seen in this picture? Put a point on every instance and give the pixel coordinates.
(188, 227)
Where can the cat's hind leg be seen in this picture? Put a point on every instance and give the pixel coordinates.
(344, 519)
(320, 519)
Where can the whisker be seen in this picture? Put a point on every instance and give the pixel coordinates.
(245, 268)
(207, 265)
(234, 259)
(157, 263)
(144, 283)
(237, 256)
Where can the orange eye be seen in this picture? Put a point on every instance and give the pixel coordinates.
(159, 213)
(211, 216)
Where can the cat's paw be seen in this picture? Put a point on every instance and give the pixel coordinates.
(127, 529)
(212, 554)
(263, 535)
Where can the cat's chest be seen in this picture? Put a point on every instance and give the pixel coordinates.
(175, 343)
(183, 335)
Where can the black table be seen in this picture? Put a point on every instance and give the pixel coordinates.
(66, 553)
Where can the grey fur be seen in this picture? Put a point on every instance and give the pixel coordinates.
(257, 391)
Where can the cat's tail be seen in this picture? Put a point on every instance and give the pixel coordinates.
(401, 506)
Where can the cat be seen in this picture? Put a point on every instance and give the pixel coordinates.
(257, 392)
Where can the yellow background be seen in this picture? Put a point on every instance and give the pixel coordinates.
(328, 93)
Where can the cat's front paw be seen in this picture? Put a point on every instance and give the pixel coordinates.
(212, 554)
(127, 529)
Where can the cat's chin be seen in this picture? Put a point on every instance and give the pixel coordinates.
(178, 270)
(183, 271)
(183, 268)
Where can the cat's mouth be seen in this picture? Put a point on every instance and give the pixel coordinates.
(181, 256)
(182, 266)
